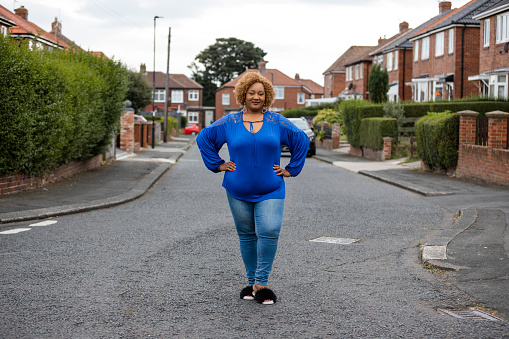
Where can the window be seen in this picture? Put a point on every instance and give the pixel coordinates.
(193, 95)
(362, 69)
(4, 30)
(356, 72)
(177, 96)
(300, 98)
(381, 60)
(389, 61)
(396, 60)
(375, 60)
(451, 41)
(502, 27)
(159, 95)
(192, 117)
(226, 99)
(280, 92)
(439, 44)
(416, 50)
(498, 86)
(425, 49)
(486, 33)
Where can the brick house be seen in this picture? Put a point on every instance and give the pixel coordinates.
(316, 89)
(446, 53)
(335, 75)
(185, 96)
(290, 93)
(493, 48)
(28, 31)
(5, 24)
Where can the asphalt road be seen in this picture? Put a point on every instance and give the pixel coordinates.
(168, 265)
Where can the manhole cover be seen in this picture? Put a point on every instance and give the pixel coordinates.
(333, 240)
(472, 314)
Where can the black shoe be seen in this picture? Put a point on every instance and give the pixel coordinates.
(247, 293)
(265, 296)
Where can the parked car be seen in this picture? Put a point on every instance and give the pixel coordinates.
(192, 129)
(139, 118)
(303, 124)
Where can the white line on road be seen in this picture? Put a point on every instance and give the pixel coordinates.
(16, 230)
(44, 223)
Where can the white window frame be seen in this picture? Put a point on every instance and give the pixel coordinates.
(451, 41)
(497, 83)
(158, 95)
(503, 27)
(4, 31)
(357, 72)
(362, 70)
(416, 50)
(300, 98)
(177, 96)
(193, 117)
(396, 60)
(381, 60)
(425, 48)
(280, 92)
(225, 100)
(389, 61)
(439, 44)
(193, 95)
(486, 37)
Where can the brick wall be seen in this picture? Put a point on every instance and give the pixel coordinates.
(493, 56)
(15, 183)
(484, 163)
(127, 131)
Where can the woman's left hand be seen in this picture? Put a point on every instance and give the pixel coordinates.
(281, 171)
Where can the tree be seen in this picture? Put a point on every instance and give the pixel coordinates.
(378, 84)
(221, 62)
(139, 92)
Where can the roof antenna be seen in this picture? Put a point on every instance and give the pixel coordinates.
(14, 4)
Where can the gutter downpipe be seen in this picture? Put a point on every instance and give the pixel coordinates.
(462, 57)
(403, 82)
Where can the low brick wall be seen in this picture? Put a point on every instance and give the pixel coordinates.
(15, 183)
(368, 153)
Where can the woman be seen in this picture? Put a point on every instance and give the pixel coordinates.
(253, 178)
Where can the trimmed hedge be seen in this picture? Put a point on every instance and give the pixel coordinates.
(373, 130)
(353, 111)
(438, 140)
(309, 111)
(56, 106)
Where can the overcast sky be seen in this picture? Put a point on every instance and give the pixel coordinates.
(299, 36)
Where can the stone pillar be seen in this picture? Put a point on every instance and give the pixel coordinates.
(387, 153)
(127, 130)
(336, 133)
(468, 127)
(497, 129)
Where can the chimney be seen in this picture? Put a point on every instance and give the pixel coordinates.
(22, 12)
(403, 27)
(444, 6)
(56, 27)
(297, 76)
(143, 69)
(381, 40)
(261, 66)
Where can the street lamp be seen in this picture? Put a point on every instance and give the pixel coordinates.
(154, 87)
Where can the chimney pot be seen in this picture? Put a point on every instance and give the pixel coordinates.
(143, 69)
(297, 76)
(444, 6)
(22, 12)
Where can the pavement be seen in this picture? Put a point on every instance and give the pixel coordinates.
(474, 248)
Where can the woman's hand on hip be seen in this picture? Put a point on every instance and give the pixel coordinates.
(227, 166)
(281, 171)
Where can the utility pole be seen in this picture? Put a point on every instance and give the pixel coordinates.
(154, 88)
(167, 89)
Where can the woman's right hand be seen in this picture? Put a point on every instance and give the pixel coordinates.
(227, 166)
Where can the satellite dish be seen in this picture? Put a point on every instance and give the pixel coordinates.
(506, 47)
(350, 86)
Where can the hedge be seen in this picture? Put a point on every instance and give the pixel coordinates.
(309, 111)
(353, 111)
(56, 106)
(438, 140)
(373, 130)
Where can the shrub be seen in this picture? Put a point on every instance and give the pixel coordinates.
(309, 111)
(373, 130)
(438, 140)
(393, 110)
(56, 106)
(378, 84)
(329, 115)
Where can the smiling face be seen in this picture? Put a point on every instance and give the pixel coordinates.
(255, 97)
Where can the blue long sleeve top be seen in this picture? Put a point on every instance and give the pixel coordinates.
(254, 154)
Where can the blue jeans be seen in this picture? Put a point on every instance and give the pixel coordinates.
(258, 225)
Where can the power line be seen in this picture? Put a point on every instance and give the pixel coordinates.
(111, 12)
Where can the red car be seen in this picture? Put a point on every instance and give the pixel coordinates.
(192, 129)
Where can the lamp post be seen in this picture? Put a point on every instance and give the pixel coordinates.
(154, 87)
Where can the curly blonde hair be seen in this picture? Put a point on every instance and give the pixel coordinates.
(247, 81)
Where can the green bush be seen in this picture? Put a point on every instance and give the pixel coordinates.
(329, 115)
(373, 130)
(438, 140)
(309, 111)
(56, 106)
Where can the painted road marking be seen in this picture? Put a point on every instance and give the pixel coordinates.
(44, 223)
(333, 240)
(16, 230)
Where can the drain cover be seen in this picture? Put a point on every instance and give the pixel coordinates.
(333, 240)
(472, 314)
